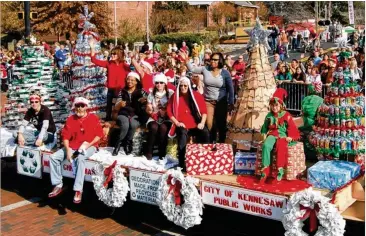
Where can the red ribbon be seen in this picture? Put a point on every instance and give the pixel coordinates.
(311, 213)
(108, 172)
(176, 188)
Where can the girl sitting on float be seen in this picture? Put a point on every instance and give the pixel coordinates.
(280, 129)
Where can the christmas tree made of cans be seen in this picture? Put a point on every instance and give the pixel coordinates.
(34, 72)
(88, 80)
(340, 125)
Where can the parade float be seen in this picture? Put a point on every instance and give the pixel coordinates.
(329, 191)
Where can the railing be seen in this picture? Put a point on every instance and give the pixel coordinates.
(296, 93)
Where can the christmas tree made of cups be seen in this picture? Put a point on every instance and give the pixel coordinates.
(88, 80)
(34, 72)
(339, 131)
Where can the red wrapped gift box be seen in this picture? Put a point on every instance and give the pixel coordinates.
(295, 164)
(204, 159)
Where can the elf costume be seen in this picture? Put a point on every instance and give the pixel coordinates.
(277, 127)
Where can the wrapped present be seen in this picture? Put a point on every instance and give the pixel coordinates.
(209, 159)
(360, 159)
(295, 164)
(332, 174)
(244, 163)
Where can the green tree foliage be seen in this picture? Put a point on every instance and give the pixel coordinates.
(57, 18)
(129, 31)
(221, 11)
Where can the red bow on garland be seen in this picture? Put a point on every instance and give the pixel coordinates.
(108, 172)
(177, 186)
(311, 213)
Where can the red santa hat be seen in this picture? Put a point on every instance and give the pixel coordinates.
(279, 96)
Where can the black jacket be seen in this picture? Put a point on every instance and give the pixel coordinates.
(133, 106)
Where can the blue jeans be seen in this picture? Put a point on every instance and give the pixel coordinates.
(31, 136)
(55, 167)
(60, 64)
(274, 44)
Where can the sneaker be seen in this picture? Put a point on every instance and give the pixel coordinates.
(77, 197)
(55, 192)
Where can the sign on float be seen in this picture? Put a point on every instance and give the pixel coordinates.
(243, 200)
(144, 186)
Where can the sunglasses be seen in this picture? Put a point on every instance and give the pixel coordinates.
(159, 83)
(80, 105)
(213, 59)
(183, 86)
(34, 102)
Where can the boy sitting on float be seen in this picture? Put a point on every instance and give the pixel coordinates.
(280, 129)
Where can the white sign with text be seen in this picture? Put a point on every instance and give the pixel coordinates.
(66, 168)
(243, 200)
(144, 185)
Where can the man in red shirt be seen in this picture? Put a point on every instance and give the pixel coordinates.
(80, 135)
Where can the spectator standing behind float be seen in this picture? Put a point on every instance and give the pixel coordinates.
(81, 134)
(276, 61)
(158, 124)
(284, 42)
(129, 108)
(218, 93)
(117, 70)
(145, 47)
(187, 110)
(60, 57)
(239, 65)
(274, 35)
(41, 118)
(317, 59)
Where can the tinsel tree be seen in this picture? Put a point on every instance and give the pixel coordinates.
(88, 80)
(34, 72)
(256, 89)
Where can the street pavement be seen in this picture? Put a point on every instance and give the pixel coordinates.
(60, 216)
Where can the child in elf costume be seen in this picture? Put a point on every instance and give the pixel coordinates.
(279, 129)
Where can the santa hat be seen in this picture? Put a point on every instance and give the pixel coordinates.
(279, 96)
(148, 65)
(182, 80)
(135, 75)
(79, 100)
(160, 77)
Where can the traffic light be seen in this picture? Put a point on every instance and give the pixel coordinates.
(21, 15)
(33, 15)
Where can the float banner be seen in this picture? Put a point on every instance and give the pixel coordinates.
(144, 185)
(29, 162)
(243, 200)
(66, 168)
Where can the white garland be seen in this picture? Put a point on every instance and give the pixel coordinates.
(331, 221)
(116, 196)
(188, 214)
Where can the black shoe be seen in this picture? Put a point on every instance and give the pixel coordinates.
(127, 147)
(116, 149)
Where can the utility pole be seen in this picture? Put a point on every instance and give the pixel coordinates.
(27, 19)
(316, 16)
(147, 22)
(329, 10)
(115, 23)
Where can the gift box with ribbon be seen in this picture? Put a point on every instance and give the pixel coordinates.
(209, 159)
(295, 163)
(332, 174)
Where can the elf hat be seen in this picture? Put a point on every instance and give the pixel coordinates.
(135, 75)
(160, 77)
(279, 96)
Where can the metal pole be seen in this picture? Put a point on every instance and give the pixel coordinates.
(316, 16)
(147, 22)
(115, 23)
(27, 18)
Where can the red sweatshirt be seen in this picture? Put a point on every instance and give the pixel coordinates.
(239, 67)
(116, 74)
(184, 112)
(77, 130)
